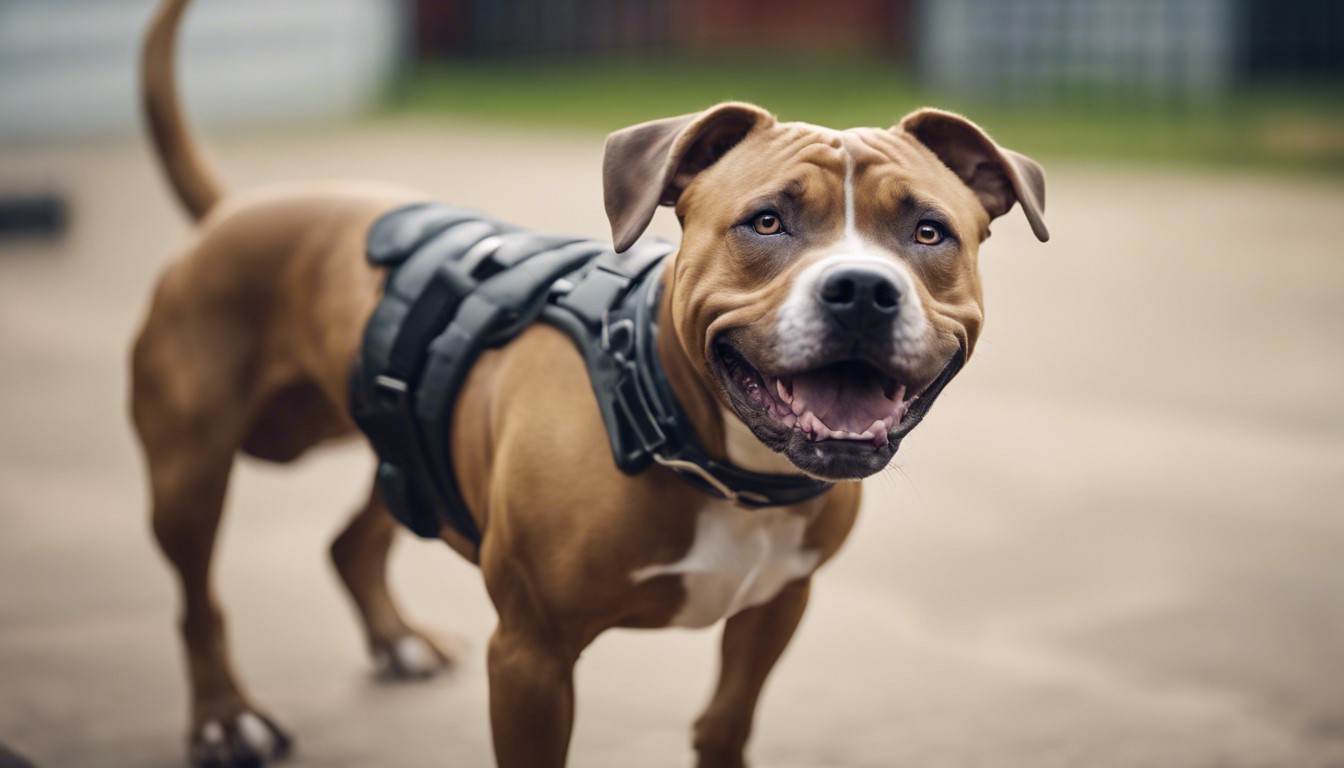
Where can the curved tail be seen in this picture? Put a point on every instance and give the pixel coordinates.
(191, 174)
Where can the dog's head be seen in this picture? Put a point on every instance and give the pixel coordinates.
(827, 285)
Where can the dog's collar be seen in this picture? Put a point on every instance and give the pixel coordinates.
(645, 422)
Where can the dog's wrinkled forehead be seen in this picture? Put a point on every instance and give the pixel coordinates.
(829, 186)
(654, 163)
(794, 161)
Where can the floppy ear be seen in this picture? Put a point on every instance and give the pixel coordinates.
(999, 177)
(649, 164)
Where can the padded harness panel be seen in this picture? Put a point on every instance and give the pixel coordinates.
(459, 282)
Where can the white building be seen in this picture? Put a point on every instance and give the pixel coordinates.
(69, 67)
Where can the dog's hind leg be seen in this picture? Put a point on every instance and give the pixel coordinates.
(752, 642)
(189, 471)
(360, 556)
(190, 419)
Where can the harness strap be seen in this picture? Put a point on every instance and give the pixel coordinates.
(459, 282)
(648, 395)
(691, 469)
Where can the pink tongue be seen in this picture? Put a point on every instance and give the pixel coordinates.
(844, 400)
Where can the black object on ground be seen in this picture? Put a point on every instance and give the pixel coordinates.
(10, 760)
(40, 215)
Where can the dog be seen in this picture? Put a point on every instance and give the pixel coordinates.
(824, 289)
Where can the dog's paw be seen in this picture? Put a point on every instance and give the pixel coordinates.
(412, 656)
(245, 740)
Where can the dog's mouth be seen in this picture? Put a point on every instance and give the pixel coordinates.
(840, 420)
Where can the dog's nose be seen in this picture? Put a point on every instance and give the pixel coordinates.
(859, 297)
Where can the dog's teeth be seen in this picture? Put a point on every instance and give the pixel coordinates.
(899, 396)
(783, 392)
(790, 420)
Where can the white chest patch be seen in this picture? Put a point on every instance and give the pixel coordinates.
(740, 558)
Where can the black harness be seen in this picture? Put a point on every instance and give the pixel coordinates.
(458, 283)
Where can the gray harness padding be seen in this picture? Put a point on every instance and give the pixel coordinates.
(459, 282)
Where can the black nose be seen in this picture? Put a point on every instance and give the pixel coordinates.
(859, 297)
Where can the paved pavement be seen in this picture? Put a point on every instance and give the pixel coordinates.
(1117, 542)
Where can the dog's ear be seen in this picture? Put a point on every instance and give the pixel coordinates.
(999, 177)
(649, 164)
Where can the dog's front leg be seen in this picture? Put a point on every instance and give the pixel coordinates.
(531, 695)
(752, 642)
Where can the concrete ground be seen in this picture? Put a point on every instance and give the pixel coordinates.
(1117, 541)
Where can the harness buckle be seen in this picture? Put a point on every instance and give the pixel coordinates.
(391, 388)
(618, 337)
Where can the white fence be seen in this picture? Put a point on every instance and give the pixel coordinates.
(1024, 49)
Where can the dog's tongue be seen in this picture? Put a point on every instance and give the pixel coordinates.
(845, 402)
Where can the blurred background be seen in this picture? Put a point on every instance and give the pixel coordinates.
(1116, 542)
(1226, 81)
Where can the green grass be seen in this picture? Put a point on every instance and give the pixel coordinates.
(1296, 129)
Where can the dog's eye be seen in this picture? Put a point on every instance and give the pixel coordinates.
(767, 224)
(929, 233)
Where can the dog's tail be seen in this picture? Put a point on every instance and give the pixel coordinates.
(191, 174)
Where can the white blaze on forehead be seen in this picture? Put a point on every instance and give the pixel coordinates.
(800, 324)
(851, 232)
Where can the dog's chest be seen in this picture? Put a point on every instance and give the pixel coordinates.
(739, 559)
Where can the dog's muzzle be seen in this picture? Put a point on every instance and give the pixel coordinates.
(860, 298)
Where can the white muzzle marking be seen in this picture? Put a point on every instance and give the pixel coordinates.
(801, 325)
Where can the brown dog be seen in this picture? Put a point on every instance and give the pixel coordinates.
(825, 288)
